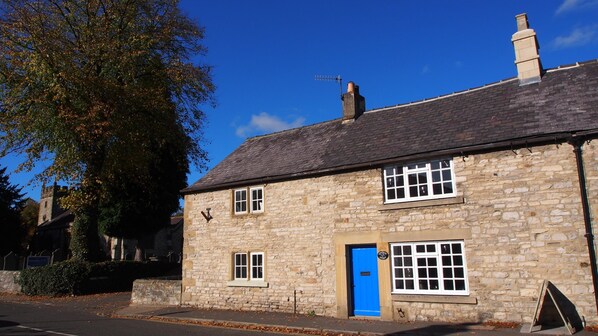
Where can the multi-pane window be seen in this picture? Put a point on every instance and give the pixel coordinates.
(249, 266)
(429, 268)
(240, 266)
(240, 201)
(257, 199)
(257, 266)
(253, 204)
(419, 181)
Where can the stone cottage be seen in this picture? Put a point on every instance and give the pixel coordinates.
(455, 208)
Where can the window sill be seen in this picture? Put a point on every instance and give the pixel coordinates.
(425, 203)
(434, 298)
(248, 214)
(246, 283)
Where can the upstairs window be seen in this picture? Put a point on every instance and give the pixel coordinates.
(257, 199)
(419, 181)
(248, 200)
(240, 201)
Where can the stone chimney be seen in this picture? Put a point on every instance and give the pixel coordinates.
(353, 103)
(527, 59)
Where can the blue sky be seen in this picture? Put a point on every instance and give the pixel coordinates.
(266, 54)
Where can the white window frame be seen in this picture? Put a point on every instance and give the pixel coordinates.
(256, 266)
(249, 266)
(240, 266)
(247, 202)
(396, 177)
(237, 201)
(260, 200)
(450, 266)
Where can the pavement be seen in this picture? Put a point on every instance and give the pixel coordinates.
(316, 325)
(117, 305)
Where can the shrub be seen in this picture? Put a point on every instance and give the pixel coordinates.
(79, 277)
(61, 278)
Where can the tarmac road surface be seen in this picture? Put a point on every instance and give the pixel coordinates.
(23, 316)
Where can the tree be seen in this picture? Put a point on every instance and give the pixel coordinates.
(29, 215)
(93, 85)
(10, 205)
(138, 206)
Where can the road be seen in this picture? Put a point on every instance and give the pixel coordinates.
(21, 316)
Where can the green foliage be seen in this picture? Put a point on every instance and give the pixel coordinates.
(11, 204)
(85, 244)
(97, 86)
(29, 215)
(134, 207)
(80, 277)
(57, 279)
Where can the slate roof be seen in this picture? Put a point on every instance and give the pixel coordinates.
(499, 114)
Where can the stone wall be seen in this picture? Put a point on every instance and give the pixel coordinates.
(156, 292)
(8, 282)
(521, 210)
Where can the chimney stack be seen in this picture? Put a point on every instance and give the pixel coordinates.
(353, 103)
(527, 59)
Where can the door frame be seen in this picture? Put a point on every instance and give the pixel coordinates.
(341, 242)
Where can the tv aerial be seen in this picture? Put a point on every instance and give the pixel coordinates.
(336, 78)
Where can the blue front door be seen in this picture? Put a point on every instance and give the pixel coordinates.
(364, 281)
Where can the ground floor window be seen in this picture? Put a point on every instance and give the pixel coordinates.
(248, 266)
(434, 267)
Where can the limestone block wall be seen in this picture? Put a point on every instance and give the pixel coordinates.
(8, 282)
(590, 156)
(156, 292)
(522, 209)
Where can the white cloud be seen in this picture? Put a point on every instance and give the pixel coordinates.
(578, 37)
(426, 69)
(266, 123)
(569, 5)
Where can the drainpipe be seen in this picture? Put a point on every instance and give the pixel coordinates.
(577, 144)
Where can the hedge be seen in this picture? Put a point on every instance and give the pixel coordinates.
(78, 277)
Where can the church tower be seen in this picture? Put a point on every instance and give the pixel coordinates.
(49, 207)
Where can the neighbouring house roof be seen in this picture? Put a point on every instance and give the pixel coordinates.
(497, 115)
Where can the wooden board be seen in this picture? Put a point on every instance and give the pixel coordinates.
(548, 310)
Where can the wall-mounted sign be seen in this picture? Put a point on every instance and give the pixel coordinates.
(382, 255)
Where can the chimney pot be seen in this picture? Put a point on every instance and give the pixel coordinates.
(350, 87)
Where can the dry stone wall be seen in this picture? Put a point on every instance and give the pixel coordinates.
(8, 282)
(522, 207)
(156, 292)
